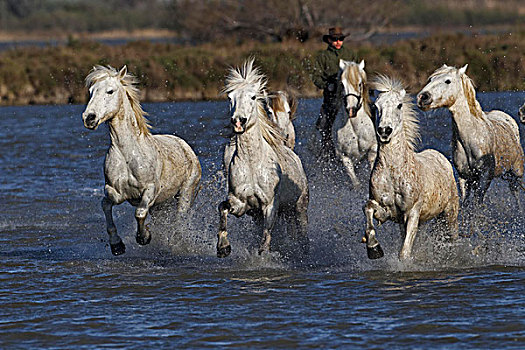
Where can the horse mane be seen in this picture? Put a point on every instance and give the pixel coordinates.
(277, 103)
(128, 81)
(248, 76)
(351, 73)
(468, 89)
(383, 83)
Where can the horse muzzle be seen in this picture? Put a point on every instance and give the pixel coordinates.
(384, 134)
(239, 124)
(352, 112)
(90, 121)
(424, 99)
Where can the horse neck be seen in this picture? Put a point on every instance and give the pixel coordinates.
(249, 143)
(124, 130)
(465, 125)
(397, 154)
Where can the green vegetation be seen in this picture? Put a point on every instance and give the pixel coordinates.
(171, 72)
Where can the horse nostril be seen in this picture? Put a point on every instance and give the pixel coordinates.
(243, 120)
(90, 118)
(384, 131)
(424, 97)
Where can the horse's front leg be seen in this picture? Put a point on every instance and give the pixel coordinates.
(270, 214)
(464, 188)
(236, 207)
(148, 198)
(373, 209)
(411, 225)
(350, 170)
(111, 198)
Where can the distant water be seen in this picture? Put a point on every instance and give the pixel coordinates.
(61, 288)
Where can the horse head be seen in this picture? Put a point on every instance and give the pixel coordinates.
(443, 88)
(106, 94)
(395, 112)
(353, 78)
(245, 89)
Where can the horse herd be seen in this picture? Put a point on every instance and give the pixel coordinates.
(266, 179)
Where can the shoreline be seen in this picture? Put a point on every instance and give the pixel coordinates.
(54, 75)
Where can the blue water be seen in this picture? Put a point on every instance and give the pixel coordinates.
(61, 288)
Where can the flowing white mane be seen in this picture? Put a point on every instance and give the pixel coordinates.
(383, 83)
(469, 89)
(128, 82)
(250, 77)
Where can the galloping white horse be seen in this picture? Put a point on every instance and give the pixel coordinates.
(140, 168)
(405, 186)
(354, 132)
(485, 145)
(265, 177)
(281, 110)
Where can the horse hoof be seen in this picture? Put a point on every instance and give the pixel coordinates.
(143, 240)
(118, 248)
(375, 252)
(224, 251)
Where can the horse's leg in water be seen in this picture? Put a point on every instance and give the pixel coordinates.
(411, 225)
(185, 199)
(372, 210)
(148, 198)
(237, 208)
(188, 193)
(451, 219)
(486, 174)
(349, 167)
(270, 215)
(111, 198)
(464, 189)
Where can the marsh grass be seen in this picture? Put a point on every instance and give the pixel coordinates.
(168, 72)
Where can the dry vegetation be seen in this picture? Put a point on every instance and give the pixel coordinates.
(217, 37)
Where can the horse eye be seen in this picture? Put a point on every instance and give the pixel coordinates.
(447, 81)
(399, 106)
(253, 97)
(109, 92)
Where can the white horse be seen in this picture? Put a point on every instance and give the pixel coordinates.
(406, 187)
(265, 177)
(140, 168)
(521, 113)
(354, 133)
(281, 110)
(485, 145)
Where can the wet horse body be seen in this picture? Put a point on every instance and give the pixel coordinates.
(485, 145)
(265, 178)
(406, 187)
(143, 169)
(355, 136)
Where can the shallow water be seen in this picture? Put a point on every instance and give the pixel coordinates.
(61, 287)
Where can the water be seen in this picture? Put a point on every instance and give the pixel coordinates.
(61, 288)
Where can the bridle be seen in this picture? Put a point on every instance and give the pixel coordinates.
(358, 97)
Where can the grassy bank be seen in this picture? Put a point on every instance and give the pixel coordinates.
(171, 72)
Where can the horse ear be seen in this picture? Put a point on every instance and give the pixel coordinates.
(362, 64)
(403, 93)
(123, 71)
(463, 69)
(342, 64)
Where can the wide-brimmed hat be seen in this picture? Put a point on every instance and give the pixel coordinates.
(334, 32)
